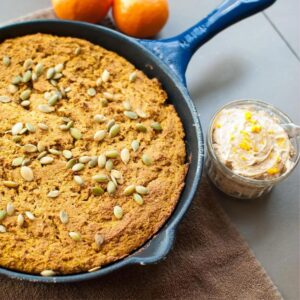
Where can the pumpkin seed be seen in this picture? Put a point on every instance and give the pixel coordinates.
(117, 174)
(63, 216)
(67, 154)
(41, 155)
(114, 180)
(110, 124)
(58, 68)
(100, 178)
(50, 73)
(129, 190)
(25, 103)
(10, 209)
(47, 160)
(54, 151)
(114, 130)
(111, 188)
(16, 138)
(45, 108)
(6, 61)
(53, 82)
(94, 269)
(97, 191)
(16, 129)
(127, 105)
(141, 113)
(135, 145)
(101, 161)
(77, 51)
(34, 77)
(156, 126)
(125, 156)
(53, 100)
(99, 82)
(76, 236)
(99, 239)
(2, 229)
(141, 127)
(12, 89)
(24, 130)
(76, 133)
(105, 76)
(27, 173)
(147, 160)
(84, 159)
(30, 148)
(91, 92)
(109, 165)
(79, 180)
(48, 273)
(27, 76)
(29, 215)
(43, 126)
(64, 127)
(17, 162)
(100, 135)
(108, 96)
(27, 64)
(3, 214)
(30, 127)
(93, 162)
(138, 199)
(103, 102)
(68, 89)
(10, 184)
(16, 80)
(132, 77)
(141, 190)
(99, 118)
(78, 167)
(118, 212)
(41, 146)
(20, 220)
(5, 99)
(53, 194)
(112, 153)
(39, 68)
(26, 162)
(131, 115)
(71, 163)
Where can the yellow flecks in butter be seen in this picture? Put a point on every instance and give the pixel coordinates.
(218, 125)
(273, 171)
(255, 148)
(232, 137)
(271, 131)
(245, 145)
(248, 115)
(243, 158)
(256, 128)
(244, 133)
(280, 141)
(253, 121)
(278, 159)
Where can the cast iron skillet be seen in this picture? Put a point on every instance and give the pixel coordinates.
(167, 60)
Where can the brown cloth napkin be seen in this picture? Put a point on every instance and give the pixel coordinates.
(210, 260)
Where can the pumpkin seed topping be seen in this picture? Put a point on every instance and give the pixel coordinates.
(127, 105)
(30, 127)
(108, 96)
(78, 167)
(135, 145)
(105, 76)
(10, 184)
(156, 126)
(100, 135)
(125, 156)
(79, 180)
(99, 118)
(39, 68)
(67, 154)
(101, 161)
(25, 103)
(54, 151)
(16, 129)
(63, 216)
(76, 133)
(12, 89)
(114, 130)
(30, 148)
(53, 194)
(147, 160)
(53, 99)
(132, 77)
(27, 76)
(28, 64)
(109, 165)
(93, 162)
(43, 126)
(84, 159)
(50, 73)
(77, 51)
(99, 239)
(111, 187)
(141, 190)
(47, 160)
(17, 162)
(141, 113)
(91, 92)
(27, 173)
(71, 163)
(3, 214)
(10, 209)
(29, 215)
(129, 190)
(141, 127)
(5, 99)
(118, 212)
(112, 153)
(16, 80)
(41, 155)
(100, 178)
(76, 236)
(20, 220)
(45, 108)
(110, 124)
(6, 61)
(131, 115)
(41, 146)
(138, 199)
(97, 191)
(48, 273)
(58, 68)
(2, 229)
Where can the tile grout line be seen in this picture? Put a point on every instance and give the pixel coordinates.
(281, 36)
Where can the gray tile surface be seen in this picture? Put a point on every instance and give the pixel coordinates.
(249, 60)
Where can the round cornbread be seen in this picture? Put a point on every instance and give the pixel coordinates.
(57, 217)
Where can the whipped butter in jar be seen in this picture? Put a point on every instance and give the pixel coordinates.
(249, 150)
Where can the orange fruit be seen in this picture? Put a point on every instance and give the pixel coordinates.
(140, 18)
(92, 11)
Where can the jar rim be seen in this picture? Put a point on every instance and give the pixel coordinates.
(267, 107)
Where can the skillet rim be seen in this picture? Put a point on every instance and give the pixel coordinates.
(170, 225)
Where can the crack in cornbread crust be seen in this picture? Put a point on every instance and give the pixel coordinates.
(44, 243)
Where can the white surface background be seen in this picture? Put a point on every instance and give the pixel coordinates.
(257, 58)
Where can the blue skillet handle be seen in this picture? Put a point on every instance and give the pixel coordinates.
(177, 51)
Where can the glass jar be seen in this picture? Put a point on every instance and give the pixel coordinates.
(239, 186)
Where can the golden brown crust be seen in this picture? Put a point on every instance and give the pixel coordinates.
(44, 243)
